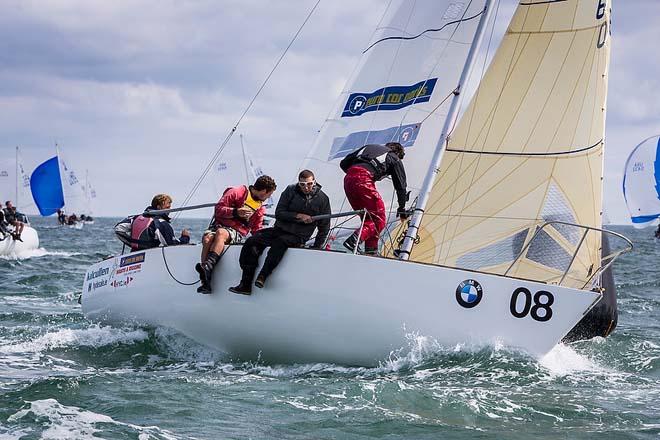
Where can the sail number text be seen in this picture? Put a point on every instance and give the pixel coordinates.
(537, 306)
(604, 31)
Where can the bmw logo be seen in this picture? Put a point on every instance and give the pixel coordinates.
(469, 293)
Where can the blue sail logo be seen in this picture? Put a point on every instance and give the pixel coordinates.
(389, 98)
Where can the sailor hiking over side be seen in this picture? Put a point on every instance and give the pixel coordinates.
(294, 226)
(239, 212)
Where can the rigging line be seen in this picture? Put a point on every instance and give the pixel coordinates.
(423, 32)
(170, 272)
(254, 98)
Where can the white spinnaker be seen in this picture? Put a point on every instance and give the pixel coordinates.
(528, 149)
(641, 183)
(399, 91)
(75, 200)
(15, 184)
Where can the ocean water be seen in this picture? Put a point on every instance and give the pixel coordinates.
(64, 377)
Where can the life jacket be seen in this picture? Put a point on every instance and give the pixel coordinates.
(373, 155)
(140, 231)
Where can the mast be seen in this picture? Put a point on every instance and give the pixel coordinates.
(245, 162)
(16, 172)
(452, 115)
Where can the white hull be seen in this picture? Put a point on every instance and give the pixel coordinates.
(12, 248)
(323, 306)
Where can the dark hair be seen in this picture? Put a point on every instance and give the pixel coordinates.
(396, 148)
(264, 183)
(304, 174)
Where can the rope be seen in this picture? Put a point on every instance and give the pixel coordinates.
(240, 119)
(172, 275)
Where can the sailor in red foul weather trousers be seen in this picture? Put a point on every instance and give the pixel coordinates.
(361, 193)
(364, 167)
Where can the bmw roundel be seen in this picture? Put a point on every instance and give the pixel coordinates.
(469, 293)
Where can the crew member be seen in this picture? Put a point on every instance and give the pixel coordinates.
(61, 218)
(364, 167)
(153, 230)
(11, 218)
(239, 211)
(294, 225)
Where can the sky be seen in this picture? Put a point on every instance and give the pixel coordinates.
(141, 93)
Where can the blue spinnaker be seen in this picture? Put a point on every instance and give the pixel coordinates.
(46, 186)
(641, 183)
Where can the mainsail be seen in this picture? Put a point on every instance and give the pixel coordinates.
(400, 91)
(74, 191)
(15, 183)
(641, 183)
(528, 150)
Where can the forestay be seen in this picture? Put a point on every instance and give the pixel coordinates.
(399, 91)
(528, 150)
(641, 183)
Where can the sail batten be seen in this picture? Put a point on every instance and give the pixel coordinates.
(528, 151)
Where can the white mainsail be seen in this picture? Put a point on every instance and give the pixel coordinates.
(399, 91)
(641, 183)
(528, 149)
(15, 184)
(90, 195)
(75, 199)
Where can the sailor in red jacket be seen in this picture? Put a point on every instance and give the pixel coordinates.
(239, 211)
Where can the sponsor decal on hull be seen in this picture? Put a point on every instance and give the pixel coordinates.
(469, 293)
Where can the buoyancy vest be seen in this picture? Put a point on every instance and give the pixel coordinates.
(373, 155)
(140, 231)
(251, 203)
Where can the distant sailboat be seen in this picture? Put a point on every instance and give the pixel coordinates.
(641, 183)
(505, 243)
(55, 186)
(14, 180)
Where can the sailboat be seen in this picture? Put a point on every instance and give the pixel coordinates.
(90, 196)
(55, 186)
(641, 183)
(14, 180)
(504, 246)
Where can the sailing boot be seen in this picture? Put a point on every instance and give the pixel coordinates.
(371, 251)
(245, 286)
(205, 272)
(351, 242)
(261, 280)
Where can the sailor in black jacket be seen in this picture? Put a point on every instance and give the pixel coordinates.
(293, 227)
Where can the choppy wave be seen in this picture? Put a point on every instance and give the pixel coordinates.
(95, 336)
(39, 252)
(52, 420)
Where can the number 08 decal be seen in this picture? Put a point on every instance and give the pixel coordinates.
(538, 307)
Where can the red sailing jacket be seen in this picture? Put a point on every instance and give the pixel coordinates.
(225, 211)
